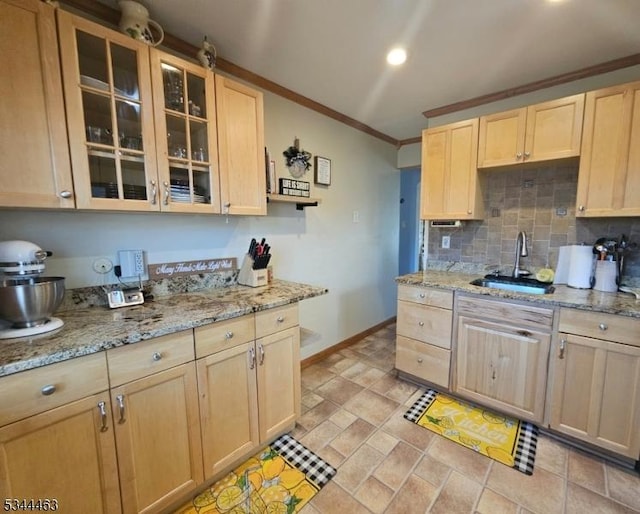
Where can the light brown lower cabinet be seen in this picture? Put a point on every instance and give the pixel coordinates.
(66, 455)
(249, 389)
(596, 382)
(57, 439)
(501, 355)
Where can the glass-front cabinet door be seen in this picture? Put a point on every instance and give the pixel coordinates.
(107, 84)
(186, 137)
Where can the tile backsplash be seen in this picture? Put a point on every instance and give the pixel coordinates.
(540, 201)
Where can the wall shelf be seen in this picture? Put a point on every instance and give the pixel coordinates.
(301, 202)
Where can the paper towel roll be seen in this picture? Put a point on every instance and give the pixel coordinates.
(580, 266)
(562, 269)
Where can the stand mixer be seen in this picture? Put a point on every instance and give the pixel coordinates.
(27, 299)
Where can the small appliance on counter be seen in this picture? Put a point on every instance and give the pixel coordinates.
(27, 299)
(254, 270)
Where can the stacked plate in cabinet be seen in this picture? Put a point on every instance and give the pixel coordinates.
(180, 192)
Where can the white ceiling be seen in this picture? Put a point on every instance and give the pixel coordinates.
(333, 51)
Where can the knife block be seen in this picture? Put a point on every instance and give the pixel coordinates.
(252, 277)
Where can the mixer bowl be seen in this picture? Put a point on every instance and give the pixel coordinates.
(30, 302)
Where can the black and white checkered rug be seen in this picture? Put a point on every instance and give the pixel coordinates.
(299, 456)
(525, 450)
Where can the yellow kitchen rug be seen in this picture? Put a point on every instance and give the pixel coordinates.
(506, 440)
(281, 479)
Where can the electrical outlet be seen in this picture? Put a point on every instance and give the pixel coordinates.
(131, 263)
(356, 216)
(446, 241)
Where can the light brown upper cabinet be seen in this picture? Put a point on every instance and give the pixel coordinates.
(541, 132)
(34, 168)
(107, 86)
(186, 135)
(450, 187)
(609, 175)
(240, 113)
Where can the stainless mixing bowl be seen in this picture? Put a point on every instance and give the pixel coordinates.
(30, 302)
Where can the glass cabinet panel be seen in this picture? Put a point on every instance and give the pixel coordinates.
(184, 119)
(110, 116)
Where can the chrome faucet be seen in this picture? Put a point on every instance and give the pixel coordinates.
(521, 251)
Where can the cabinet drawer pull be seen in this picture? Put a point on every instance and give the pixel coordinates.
(421, 323)
(422, 295)
(563, 345)
(519, 155)
(252, 358)
(156, 356)
(419, 359)
(48, 390)
(581, 208)
(527, 155)
(120, 400)
(280, 319)
(603, 326)
(65, 194)
(261, 351)
(103, 416)
(228, 335)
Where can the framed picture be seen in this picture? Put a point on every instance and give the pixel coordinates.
(322, 171)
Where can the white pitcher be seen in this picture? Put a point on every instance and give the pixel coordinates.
(135, 22)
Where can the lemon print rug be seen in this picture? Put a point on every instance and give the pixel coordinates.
(507, 440)
(281, 479)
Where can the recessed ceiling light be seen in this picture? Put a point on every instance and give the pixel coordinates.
(397, 56)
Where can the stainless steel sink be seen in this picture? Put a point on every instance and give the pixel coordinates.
(518, 285)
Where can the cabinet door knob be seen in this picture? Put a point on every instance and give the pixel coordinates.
(581, 208)
(527, 155)
(421, 323)
(48, 390)
(603, 326)
(65, 194)
(422, 295)
(419, 359)
(519, 155)
(156, 356)
(102, 408)
(563, 346)
(280, 319)
(228, 335)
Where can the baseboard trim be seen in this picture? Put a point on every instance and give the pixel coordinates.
(317, 357)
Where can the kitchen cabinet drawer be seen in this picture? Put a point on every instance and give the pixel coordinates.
(275, 320)
(224, 334)
(426, 296)
(38, 390)
(424, 361)
(512, 313)
(609, 327)
(424, 323)
(138, 360)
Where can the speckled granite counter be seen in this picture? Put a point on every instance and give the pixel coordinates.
(563, 296)
(92, 329)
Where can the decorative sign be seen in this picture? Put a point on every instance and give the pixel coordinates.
(291, 187)
(171, 269)
(323, 171)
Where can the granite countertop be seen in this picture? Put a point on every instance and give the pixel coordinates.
(563, 296)
(92, 329)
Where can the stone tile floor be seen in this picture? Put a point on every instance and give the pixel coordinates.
(352, 416)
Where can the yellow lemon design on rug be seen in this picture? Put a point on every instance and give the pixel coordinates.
(255, 479)
(290, 478)
(272, 468)
(276, 508)
(229, 498)
(274, 493)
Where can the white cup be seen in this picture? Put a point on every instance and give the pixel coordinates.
(605, 276)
